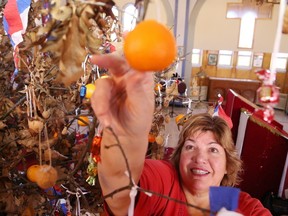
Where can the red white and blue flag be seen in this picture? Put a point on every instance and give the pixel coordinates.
(15, 22)
(16, 19)
(219, 111)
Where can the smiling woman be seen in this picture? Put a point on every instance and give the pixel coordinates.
(205, 156)
(212, 135)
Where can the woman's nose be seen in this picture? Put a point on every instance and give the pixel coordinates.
(199, 156)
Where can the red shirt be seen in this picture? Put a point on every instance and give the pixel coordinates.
(161, 177)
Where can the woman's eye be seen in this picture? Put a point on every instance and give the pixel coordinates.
(189, 147)
(214, 150)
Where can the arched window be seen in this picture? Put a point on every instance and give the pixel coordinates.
(114, 25)
(129, 17)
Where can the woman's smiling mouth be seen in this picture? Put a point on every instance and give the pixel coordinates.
(199, 171)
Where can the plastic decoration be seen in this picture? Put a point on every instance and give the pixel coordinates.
(268, 93)
(92, 171)
(219, 111)
(95, 150)
(268, 96)
(267, 114)
(82, 91)
(93, 159)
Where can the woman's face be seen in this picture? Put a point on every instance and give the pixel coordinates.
(202, 162)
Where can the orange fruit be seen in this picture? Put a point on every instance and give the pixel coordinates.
(178, 118)
(159, 139)
(150, 46)
(46, 177)
(158, 87)
(32, 172)
(83, 118)
(151, 138)
(90, 88)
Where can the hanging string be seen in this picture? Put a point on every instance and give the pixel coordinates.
(78, 195)
(40, 147)
(48, 144)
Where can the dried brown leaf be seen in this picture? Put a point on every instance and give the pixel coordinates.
(73, 54)
(61, 13)
(2, 125)
(29, 142)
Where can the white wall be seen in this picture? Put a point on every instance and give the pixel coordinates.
(206, 27)
(213, 31)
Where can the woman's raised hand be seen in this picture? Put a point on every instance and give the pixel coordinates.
(125, 100)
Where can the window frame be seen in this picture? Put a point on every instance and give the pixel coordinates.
(244, 54)
(223, 53)
(282, 56)
(199, 53)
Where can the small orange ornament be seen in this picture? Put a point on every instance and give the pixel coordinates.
(158, 87)
(159, 140)
(32, 172)
(90, 88)
(178, 118)
(47, 176)
(84, 122)
(151, 138)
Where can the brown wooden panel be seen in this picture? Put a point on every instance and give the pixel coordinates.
(245, 87)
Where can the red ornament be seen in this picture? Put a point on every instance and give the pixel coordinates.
(95, 149)
(268, 94)
(263, 74)
(267, 114)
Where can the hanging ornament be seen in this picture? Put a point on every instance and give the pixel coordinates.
(92, 171)
(82, 91)
(268, 93)
(263, 74)
(95, 149)
(268, 96)
(84, 78)
(94, 158)
(267, 114)
(90, 88)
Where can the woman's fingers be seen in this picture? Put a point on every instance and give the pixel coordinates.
(116, 64)
(127, 91)
(100, 100)
(139, 85)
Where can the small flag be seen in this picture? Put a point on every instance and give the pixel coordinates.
(15, 22)
(16, 19)
(219, 111)
(223, 197)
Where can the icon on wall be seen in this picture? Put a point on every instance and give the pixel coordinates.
(212, 59)
(257, 60)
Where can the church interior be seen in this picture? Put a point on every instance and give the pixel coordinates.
(231, 53)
